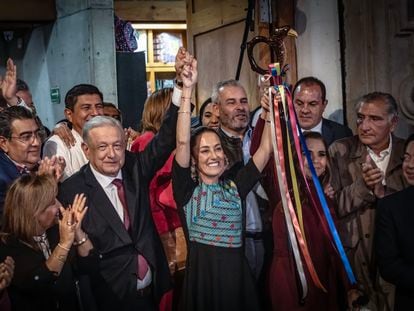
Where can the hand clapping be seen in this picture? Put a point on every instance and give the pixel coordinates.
(373, 177)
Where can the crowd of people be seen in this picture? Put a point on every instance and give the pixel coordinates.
(186, 215)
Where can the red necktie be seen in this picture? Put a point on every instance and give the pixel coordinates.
(142, 262)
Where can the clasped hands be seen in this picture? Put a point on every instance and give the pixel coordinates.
(373, 177)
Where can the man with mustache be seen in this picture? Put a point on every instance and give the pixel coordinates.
(365, 168)
(233, 105)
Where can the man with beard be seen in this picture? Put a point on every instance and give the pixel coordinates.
(231, 100)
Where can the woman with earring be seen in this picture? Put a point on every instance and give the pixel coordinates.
(38, 233)
(211, 206)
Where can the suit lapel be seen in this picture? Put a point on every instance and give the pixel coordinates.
(327, 132)
(8, 166)
(99, 201)
(396, 154)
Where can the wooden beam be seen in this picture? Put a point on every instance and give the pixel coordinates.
(286, 16)
(151, 11)
(213, 17)
(27, 11)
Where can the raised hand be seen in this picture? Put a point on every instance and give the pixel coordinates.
(79, 210)
(8, 84)
(67, 227)
(179, 62)
(60, 166)
(264, 101)
(53, 167)
(189, 73)
(329, 191)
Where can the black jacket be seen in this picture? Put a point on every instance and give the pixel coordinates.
(394, 244)
(332, 131)
(34, 286)
(112, 266)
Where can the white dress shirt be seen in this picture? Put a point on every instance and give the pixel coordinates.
(74, 156)
(381, 160)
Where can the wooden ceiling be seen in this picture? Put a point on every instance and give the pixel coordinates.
(19, 14)
(151, 11)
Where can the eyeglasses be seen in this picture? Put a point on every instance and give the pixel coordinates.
(29, 137)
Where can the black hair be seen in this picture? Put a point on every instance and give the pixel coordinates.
(8, 115)
(78, 90)
(202, 109)
(386, 98)
(21, 85)
(407, 141)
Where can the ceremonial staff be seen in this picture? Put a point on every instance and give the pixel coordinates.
(289, 163)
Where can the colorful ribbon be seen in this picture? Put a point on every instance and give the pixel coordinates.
(328, 225)
(289, 224)
(327, 213)
(290, 208)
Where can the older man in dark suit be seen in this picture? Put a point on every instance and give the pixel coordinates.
(309, 99)
(127, 267)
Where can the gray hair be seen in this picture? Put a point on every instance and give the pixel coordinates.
(222, 84)
(99, 121)
(388, 100)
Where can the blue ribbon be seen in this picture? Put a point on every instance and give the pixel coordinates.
(326, 211)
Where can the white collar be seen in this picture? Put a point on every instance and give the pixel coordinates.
(317, 128)
(104, 180)
(383, 153)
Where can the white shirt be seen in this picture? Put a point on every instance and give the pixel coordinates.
(317, 128)
(111, 191)
(74, 156)
(381, 160)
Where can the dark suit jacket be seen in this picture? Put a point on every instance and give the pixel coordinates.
(332, 131)
(394, 244)
(8, 173)
(34, 286)
(112, 266)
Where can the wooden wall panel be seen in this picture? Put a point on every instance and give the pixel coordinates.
(217, 53)
(217, 14)
(215, 31)
(151, 11)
